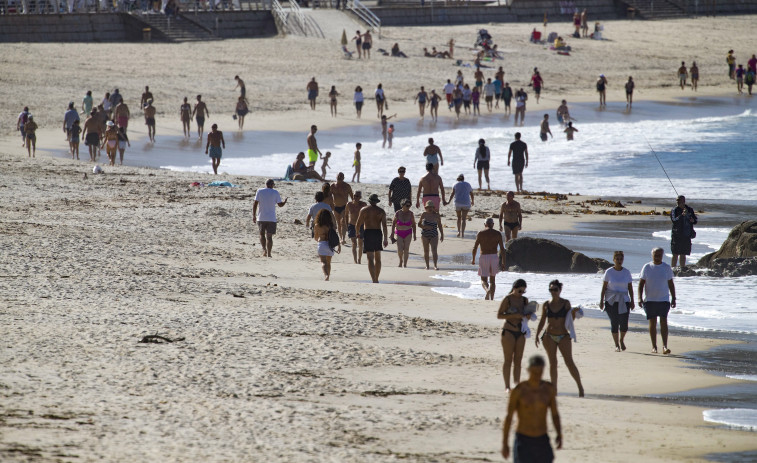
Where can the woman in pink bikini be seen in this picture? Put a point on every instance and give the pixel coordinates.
(403, 226)
(110, 142)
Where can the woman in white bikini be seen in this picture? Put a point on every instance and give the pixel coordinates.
(110, 142)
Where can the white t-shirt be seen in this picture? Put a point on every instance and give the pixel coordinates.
(656, 279)
(315, 208)
(617, 280)
(462, 194)
(267, 199)
(449, 88)
(489, 89)
(379, 93)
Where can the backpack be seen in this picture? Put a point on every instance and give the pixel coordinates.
(333, 239)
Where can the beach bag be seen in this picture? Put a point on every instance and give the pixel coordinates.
(333, 239)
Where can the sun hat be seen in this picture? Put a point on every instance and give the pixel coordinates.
(110, 124)
(373, 199)
(460, 178)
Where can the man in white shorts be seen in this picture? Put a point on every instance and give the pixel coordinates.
(490, 262)
(462, 194)
(265, 216)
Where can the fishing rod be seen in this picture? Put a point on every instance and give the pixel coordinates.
(663, 167)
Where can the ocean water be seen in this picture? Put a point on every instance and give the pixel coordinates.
(738, 418)
(706, 157)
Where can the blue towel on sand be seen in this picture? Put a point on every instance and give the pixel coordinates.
(218, 183)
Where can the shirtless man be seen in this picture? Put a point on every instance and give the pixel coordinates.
(563, 115)
(430, 185)
(544, 128)
(146, 96)
(683, 74)
(490, 262)
(122, 115)
(200, 111)
(373, 218)
(312, 89)
(511, 215)
(215, 141)
(353, 210)
(433, 155)
(91, 134)
(531, 399)
(341, 192)
(313, 152)
(240, 85)
(150, 120)
(519, 152)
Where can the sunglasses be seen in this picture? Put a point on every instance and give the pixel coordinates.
(522, 290)
(554, 290)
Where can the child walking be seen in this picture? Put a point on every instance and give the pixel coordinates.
(356, 163)
(325, 164)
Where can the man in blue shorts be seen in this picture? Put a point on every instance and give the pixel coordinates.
(312, 89)
(213, 147)
(657, 279)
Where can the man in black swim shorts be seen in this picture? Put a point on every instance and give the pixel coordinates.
(530, 400)
(519, 153)
(373, 218)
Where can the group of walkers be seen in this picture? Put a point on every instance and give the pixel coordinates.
(741, 74)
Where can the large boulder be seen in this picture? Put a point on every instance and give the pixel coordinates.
(741, 242)
(540, 255)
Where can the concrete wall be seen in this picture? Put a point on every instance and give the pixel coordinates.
(237, 24)
(106, 27)
(520, 11)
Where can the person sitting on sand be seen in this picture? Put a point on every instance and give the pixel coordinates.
(531, 400)
(490, 262)
(557, 335)
(512, 310)
(560, 43)
(432, 232)
(403, 226)
(396, 51)
(300, 168)
(616, 299)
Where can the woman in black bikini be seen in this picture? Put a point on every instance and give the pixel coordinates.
(556, 335)
(513, 339)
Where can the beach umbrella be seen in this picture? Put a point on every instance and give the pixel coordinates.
(344, 37)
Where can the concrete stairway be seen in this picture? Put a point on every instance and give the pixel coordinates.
(333, 22)
(178, 29)
(657, 9)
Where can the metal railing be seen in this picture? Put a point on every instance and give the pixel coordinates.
(366, 15)
(279, 11)
(125, 6)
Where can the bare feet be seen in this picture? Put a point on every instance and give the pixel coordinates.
(665, 350)
(654, 350)
(580, 392)
(622, 345)
(617, 348)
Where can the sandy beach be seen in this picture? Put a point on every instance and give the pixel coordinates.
(274, 364)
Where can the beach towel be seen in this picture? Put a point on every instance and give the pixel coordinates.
(569, 323)
(524, 324)
(225, 184)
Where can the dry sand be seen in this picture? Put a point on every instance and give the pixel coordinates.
(277, 365)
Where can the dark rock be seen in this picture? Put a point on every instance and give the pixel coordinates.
(540, 255)
(741, 242)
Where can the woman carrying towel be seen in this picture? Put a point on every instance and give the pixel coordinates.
(554, 314)
(403, 226)
(512, 310)
(617, 299)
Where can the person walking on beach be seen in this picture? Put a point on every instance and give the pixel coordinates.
(241, 110)
(511, 216)
(146, 96)
(584, 24)
(358, 44)
(214, 144)
(356, 163)
(512, 310)
(432, 232)
(462, 195)
(740, 79)
(519, 152)
(185, 114)
(630, 85)
(21, 121)
(422, 99)
(356, 236)
(449, 88)
(241, 87)
(110, 142)
(332, 100)
(312, 89)
(341, 193)
(490, 262)
(570, 130)
(400, 189)
(616, 299)
(381, 103)
(323, 225)
(199, 112)
(30, 132)
(656, 278)
(530, 400)
(325, 164)
(602, 90)
(106, 105)
(430, 186)
(358, 99)
(91, 134)
(264, 214)
(123, 141)
(434, 100)
(520, 106)
(537, 82)
(367, 44)
(313, 152)
(433, 155)
(115, 98)
(457, 100)
(75, 137)
(563, 114)
(489, 94)
(385, 128)
(320, 203)
(731, 60)
(71, 115)
(507, 96)
(694, 75)
(403, 226)
(683, 74)
(122, 115)
(481, 162)
(373, 218)
(150, 120)
(684, 219)
(544, 128)
(87, 102)
(749, 79)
